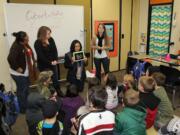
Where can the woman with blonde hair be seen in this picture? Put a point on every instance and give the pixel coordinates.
(47, 54)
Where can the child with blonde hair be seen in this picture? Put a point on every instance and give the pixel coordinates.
(129, 82)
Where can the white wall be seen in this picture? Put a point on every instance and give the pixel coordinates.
(4, 67)
(143, 19)
(175, 35)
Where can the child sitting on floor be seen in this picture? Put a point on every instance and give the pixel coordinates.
(129, 82)
(131, 121)
(50, 125)
(91, 83)
(99, 121)
(70, 105)
(112, 91)
(148, 100)
(165, 110)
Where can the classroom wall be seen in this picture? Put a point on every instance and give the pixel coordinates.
(143, 19)
(175, 36)
(4, 68)
(126, 30)
(33, 1)
(135, 25)
(107, 10)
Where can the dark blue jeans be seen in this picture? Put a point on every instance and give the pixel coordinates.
(105, 62)
(22, 84)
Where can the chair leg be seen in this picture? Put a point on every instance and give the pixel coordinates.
(173, 98)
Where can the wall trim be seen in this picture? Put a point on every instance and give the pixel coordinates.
(132, 5)
(120, 33)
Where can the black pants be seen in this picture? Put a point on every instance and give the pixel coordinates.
(105, 62)
(55, 78)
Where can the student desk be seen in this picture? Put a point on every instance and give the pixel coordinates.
(156, 61)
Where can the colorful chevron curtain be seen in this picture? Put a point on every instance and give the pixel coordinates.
(160, 30)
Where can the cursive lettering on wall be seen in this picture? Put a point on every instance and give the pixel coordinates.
(34, 15)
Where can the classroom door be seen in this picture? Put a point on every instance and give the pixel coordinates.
(159, 29)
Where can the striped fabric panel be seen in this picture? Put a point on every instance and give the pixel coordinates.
(160, 30)
(100, 128)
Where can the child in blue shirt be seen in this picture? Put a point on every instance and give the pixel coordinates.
(50, 125)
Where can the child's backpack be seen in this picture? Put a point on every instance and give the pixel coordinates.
(57, 127)
(12, 107)
(138, 69)
(4, 128)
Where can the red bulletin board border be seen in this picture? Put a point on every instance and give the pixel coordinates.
(160, 1)
(113, 53)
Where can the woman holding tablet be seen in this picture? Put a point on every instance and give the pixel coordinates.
(100, 46)
(75, 62)
(47, 54)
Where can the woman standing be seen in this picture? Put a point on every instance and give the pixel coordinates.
(47, 54)
(76, 69)
(100, 45)
(22, 66)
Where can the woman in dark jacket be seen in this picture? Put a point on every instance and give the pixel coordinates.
(76, 69)
(47, 54)
(22, 66)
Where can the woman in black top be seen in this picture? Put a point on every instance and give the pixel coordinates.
(47, 54)
(76, 70)
(100, 45)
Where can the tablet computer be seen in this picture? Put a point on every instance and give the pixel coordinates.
(78, 55)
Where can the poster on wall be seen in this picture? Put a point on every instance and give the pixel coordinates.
(112, 33)
(143, 43)
(160, 27)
